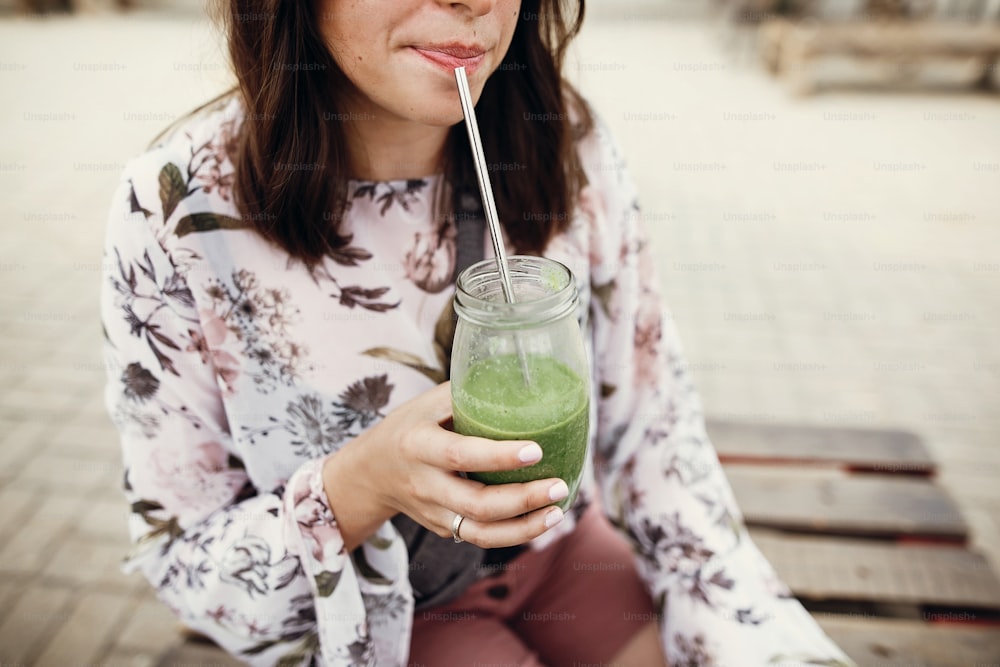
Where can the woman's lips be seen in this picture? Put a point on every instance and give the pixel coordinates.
(450, 56)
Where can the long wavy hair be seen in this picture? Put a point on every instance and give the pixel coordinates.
(529, 117)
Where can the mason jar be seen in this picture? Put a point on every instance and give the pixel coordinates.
(519, 370)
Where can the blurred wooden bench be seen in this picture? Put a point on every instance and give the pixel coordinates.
(853, 449)
(891, 642)
(63, 6)
(903, 32)
(854, 523)
(789, 48)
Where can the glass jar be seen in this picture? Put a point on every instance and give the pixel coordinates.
(519, 370)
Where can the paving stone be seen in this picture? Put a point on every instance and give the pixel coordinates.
(192, 654)
(36, 404)
(51, 472)
(129, 658)
(18, 348)
(6, 424)
(152, 629)
(74, 378)
(88, 630)
(19, 442)
(91, 411)
(85, 357)
(17, 504)
(10, 589)
(28, 550)
(12, 372)
(31, 621)
(86, 562)
(45, 325)
(75, 440)
(105, 519)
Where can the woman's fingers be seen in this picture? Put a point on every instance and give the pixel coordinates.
(497, 502)
(508, 532)
(450, 451)
(503, 514)
(434, 445)
(495, 515)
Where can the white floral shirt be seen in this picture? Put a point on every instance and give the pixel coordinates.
(232, 372)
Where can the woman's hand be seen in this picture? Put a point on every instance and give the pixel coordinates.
(408, 463)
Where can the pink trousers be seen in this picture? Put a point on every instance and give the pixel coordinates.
(577, 602)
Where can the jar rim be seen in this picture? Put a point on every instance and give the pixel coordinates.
(557, 297)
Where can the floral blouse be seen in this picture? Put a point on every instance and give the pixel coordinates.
(233, 371)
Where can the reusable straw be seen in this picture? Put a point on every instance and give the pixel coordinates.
(489, 204)
(483, 175)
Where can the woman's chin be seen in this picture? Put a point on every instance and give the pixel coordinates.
(436, 104)
(438, 115)
(448, 119)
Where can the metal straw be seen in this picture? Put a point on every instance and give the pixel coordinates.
(485, 189)
(489, 204)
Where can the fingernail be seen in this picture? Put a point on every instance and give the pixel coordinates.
(554, 516)
(530, 453)
(558, 491)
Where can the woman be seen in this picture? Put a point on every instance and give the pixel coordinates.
(277, 303)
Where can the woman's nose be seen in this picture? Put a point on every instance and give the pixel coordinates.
(474, 7)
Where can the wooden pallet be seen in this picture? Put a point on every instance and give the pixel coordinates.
(863, 450)
(841, 514)
(907, 643)
(826, 568)
(832, 502)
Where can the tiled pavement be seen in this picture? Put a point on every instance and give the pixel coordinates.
(830, 261)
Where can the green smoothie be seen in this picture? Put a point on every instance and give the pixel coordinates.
(494, 402)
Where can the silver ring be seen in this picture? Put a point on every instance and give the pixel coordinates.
(456, 525)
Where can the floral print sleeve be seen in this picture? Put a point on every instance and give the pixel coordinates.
(262, 571)
(661, 482)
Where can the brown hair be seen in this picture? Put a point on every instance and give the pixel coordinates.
(528, 115)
